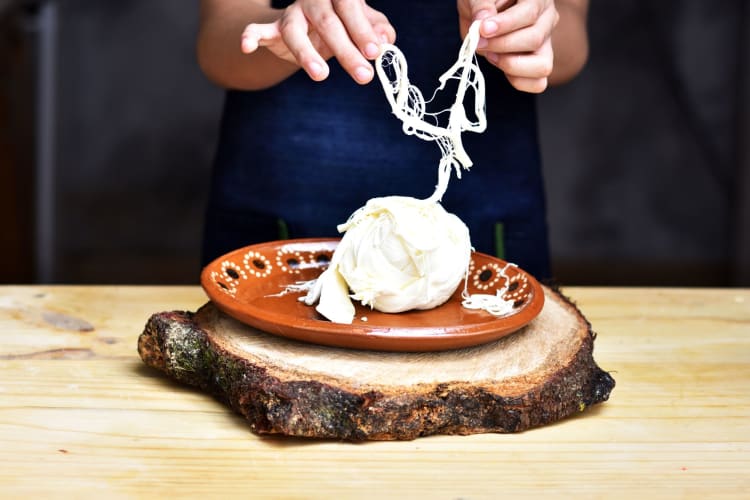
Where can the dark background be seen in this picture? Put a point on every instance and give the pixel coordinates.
(107, 130)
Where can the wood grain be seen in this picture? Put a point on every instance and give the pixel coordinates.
(104, 425)
(540, 374)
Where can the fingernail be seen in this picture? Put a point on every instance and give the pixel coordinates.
(371, 50)
(482, 14)
(489, 28)
(315, 69)
(249, 45)
(482, 43)
(492, 57)
(383, 38)
(363, 73)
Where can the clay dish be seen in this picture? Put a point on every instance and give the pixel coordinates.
(251, 285)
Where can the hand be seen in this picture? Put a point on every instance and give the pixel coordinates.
(516, 37)
(309, 32)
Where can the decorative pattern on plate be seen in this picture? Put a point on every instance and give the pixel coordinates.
(287, 260)
(504, 276)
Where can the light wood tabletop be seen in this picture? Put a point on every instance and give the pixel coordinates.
(82, 416)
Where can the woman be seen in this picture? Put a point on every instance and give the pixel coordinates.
(299, 151)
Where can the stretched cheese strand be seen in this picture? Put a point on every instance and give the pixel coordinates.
(400, 253)
(409, 105)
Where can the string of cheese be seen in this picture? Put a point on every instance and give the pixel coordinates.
(409, 105)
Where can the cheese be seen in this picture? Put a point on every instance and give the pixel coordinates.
(400, 253)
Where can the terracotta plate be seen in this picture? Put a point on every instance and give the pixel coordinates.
(250, 284)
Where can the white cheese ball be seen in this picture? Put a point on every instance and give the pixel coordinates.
(401, 253)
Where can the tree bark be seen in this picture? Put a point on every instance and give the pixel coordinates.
(536, 376)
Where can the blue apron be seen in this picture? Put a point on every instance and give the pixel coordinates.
(297, 159)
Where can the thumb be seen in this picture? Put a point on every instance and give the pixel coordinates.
(481, 9)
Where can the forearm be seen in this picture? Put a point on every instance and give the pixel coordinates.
(569, 41)
(218, 47)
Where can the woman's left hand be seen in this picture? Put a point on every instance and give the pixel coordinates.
(516, 37)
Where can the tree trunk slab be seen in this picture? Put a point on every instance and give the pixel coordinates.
(536, 376)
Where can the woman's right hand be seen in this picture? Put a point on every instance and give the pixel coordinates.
(309, 32)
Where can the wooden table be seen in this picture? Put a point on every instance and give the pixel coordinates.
(81, 416)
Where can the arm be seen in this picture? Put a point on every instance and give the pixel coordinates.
(534, 42)
(570, 42)
(248, 45)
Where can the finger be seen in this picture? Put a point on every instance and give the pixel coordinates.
(525, 65)
(472, 10)
(317, 42)
(501, 5)
(530, 85)
(358, 26)
(522, 14)
(333, 33)
(529, 39)
(293, 27)
(478, 9)
(382, 27)
(386, 33)
(256, 35)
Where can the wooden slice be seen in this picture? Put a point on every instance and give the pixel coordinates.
(535, 376)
